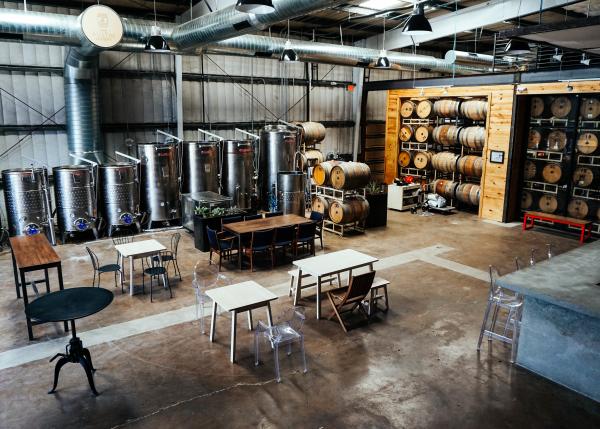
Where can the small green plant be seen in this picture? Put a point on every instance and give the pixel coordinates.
(207, 212)
(374, 188)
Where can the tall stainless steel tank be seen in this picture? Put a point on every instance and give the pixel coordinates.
(290, 192)
(75, 198)
(119, 195)
(276, 153)
(238, 172)
(159, 174)
(27, 200)
(200, 167)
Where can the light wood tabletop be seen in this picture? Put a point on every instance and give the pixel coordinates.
(33, 251)
(249, 226)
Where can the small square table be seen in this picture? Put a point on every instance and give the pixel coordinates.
(137, 250)
(328, 265)
(237, 298)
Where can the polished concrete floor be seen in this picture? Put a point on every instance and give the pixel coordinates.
(415, 366)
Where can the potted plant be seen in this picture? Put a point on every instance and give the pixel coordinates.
(376, 195)
(209, 217)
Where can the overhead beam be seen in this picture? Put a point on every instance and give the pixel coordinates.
(470, 18)
(554, 26)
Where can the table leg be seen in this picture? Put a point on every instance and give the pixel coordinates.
(131, 275)
(269, 314)
(26, 304)
(122, 268)
(61, 286)
(233, 332)
(47, 280)
(15, 272)
(240, 251)
(250, 324)
(164, 278)
(524, 222)
(297, 295)
(213, 321)
(318, 297)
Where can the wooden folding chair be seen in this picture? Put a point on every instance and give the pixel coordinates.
(347, 299)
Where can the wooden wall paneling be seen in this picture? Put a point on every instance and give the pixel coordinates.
(579, 87)
(391, 137)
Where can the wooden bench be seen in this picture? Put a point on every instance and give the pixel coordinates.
(294, 277)
(584, 225)
(378, 291)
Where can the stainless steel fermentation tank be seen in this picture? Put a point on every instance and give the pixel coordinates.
(27, 200)
(200, 167)
(159, 175)
(290, 192)
(237, 177)
(119, 195)
(277, 148)
(75, 198)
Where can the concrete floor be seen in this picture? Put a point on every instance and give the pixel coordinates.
(415, 366)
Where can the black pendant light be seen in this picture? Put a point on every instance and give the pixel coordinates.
(516, 47)
(383, 62)
(156, 42)
(258, 7)
(417, 23)
(289, 55)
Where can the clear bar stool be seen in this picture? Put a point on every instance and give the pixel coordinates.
(205, 277)
(284, 333)
(499, 300)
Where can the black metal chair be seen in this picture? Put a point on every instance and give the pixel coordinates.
(170, 256)
(284, 237)
(261, 241)
(253, 217)
(102, 269)
(222, 246)
(157, 270)
(273, 214)
(230, 219)
(122, 237)
(306, 237)
(317, 218)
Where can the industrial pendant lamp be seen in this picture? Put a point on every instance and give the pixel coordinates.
(156, 42)
(258, 7)
(417, 23)
(516, 47)
(289, 55)
(383, 62)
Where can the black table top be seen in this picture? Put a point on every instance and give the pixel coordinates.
(69, 304)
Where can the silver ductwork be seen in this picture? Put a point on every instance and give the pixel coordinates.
(474, 59)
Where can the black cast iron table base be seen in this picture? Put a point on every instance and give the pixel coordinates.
(75, 353)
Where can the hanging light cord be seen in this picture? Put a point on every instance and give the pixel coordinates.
(154, 2)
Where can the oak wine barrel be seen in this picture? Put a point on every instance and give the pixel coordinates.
(526, 200)
(310, 158)
(444, 162)
(407, 108)
(530, 170)
(446, 135)
(552, 173)
(350, 175)
(557, 140)
(312, 132)
(468, 193)
(422, 160)
(578, 208)
(470, 165)
(447, 108)
(472, 137)
(587, 143)
(404, 158)
(536, 136)
(424, 109)
(548, 203)
(475, 109)
(322, 172)
(321, 205)
(350, 210)
(561, 107)
(406, 132)
(590, 109)
(445, 188)
(583, 177)
(422, 133)
(537, 107)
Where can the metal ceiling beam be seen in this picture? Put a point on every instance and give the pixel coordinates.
(470, 18)
(554, 26)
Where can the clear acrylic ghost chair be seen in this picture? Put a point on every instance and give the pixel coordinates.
(532, 260)
(500, 299)
(205, 277)
(284, 333)
(549, 251)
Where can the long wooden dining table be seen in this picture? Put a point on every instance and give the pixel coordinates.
(250, 226)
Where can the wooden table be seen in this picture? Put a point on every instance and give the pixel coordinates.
(328, 265)
(33, 253)
(137, 250)
(250, 226)
(238, 298)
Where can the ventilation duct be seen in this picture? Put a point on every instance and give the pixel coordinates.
(474, 59)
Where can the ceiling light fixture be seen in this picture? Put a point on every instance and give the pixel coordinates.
(156, 42)
(417, 23)
(383, 62)
(557, 57)
(258, 7)
(289, 55)
(584, 60)
(517, 47)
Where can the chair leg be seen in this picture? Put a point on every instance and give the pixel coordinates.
(151, 280)
(321, 238)
(335, 311)
(252, 261)
(94, 280)
(303, 354)
(483, 325)
(178, 270)
(273, 258)
(169, 285)
(278, 375)
(210, 257)
(122, 289)
(220, 261)
(99, 275)
(494, 320)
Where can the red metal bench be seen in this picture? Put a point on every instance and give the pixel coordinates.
(584, 225)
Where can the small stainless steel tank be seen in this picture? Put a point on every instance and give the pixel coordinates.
(276, 153)
(238, 172)
(27, 200)
(119, 196)
(75, 198)
(290, 192)
(200, 167)
(160, 181)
